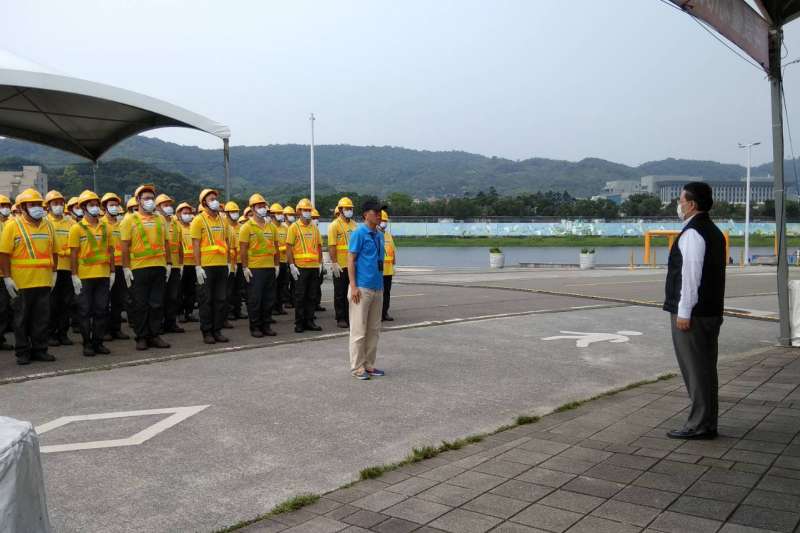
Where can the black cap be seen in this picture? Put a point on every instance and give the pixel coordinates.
(371, 205)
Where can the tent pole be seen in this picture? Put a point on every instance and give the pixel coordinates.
(94, 175)
(776, 85)
(227, 155)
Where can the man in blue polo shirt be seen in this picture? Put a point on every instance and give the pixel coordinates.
(365, 269)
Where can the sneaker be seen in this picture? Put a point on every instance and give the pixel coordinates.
(362, 376)
(375, 372)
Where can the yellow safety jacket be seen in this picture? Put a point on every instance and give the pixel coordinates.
(339, 237)
(175, 240)
(388, 258)
(188, 245)
(305, 242)
(283, 230)
(116, 238)
(214, 239)
(61, 230)
(142, 248)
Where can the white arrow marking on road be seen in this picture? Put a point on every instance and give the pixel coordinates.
(584, 339)
(179, 414)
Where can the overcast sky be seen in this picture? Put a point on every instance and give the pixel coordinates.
(625, 80)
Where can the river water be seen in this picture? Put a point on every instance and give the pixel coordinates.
(478, 256)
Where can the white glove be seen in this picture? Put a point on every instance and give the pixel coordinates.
(230, 269)
(127, 273)
(321, 269)
(294, 271)
(201, 274)
(111, 280)
(11, 287)
(76, 284)
(169, 269)
(336, 270)
(53, 280)
(277, 271)
(247, 273)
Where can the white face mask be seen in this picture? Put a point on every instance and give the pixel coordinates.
(36, 212)
(307, 215)
(186, 217)
(112, 209)
(234, 216)
(78, 212)
(290, 218)
(57, 210)
(262, 212)
(383, 224)
(213, 205)
(279, 218)
(5, 211)
(168, 210)
(93, 210)
(149, 205)
(348, 213)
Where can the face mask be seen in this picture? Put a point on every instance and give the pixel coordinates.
(262, 212)
(168, 210)
(383, 224)
(93, 210)
(149, 205)
(213, 205)
(187, 217)
(234, 216)
(290, 218)
(5, 211)
(348, 213)
(57, 210)
(306, 215)
(279, 218)
(36, 212)
(113, 209)
(78, 212)
(680, 212)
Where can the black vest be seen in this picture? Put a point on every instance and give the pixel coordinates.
(711, 293)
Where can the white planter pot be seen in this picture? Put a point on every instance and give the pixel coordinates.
(497, 260)
(587, 261)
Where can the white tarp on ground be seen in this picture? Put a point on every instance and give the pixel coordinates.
(23, 505)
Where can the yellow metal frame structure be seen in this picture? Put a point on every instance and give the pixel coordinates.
(671, 236)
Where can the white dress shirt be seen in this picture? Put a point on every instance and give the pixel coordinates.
(693, 250)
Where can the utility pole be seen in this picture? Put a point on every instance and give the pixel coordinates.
(313, 202)
(749, 147)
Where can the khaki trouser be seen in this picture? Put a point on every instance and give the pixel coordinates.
(365, 328)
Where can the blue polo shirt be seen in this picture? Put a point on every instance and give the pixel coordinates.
(369, 249)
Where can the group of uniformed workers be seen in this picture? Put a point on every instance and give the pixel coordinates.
(84, 261)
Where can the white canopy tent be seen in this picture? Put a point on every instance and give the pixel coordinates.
(85, 118)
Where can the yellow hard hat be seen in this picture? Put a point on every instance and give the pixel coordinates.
(4, 199)
(72, 202)
(107, 197)
(256, 199)
(50, 196)
(288, 210)
(133, 202)
(29, 196)
(145, 187)
(161, 198)
(206, 192)
(87, 196)
(314, 213)
(384, 216)
(276, 209)
(184, 205)
(344, 201)
(231, 207)
(305, 203)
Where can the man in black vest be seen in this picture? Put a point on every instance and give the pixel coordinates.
(695, 290)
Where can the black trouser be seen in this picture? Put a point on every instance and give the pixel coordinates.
(260, 298)
(93, 305)
(318, 296)
(117, 301)
(147, 301)
(6, 318)
(188, 290)
(236, 292)
(211, 299)
(387, 294)
(697, 351)
(172, 298)
(61, 298)
(305, 288)
(340, 304)
(31, 306)
(282, 287)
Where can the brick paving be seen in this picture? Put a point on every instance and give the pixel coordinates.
(606, 466)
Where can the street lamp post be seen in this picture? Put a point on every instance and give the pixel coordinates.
(749, 147)
(311, 156)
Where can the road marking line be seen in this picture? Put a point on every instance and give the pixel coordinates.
(179, 414)
(393, 297)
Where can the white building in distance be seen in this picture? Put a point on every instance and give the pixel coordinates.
(668, 188)
(13, 182)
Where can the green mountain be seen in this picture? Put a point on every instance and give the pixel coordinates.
(379, 170)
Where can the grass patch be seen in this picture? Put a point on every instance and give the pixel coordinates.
(524, 420)
(292, 504)
(574, 405)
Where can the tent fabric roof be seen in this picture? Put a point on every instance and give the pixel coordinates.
(79, 116)
(779, 12)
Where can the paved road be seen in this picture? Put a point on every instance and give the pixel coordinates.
(284, 419)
